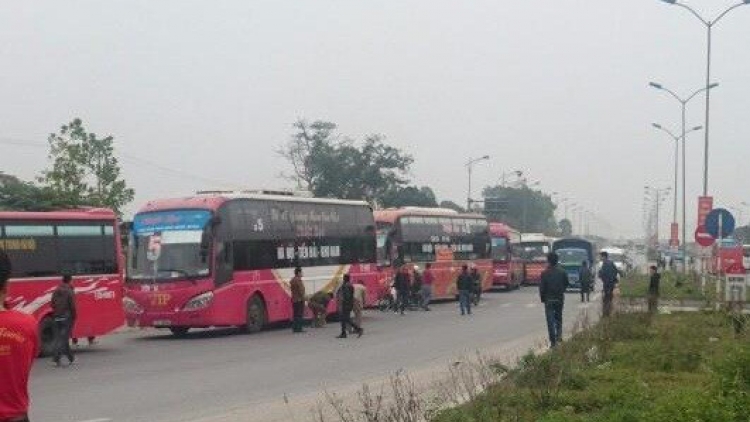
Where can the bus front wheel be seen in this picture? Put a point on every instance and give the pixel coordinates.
(46, 337)
(256, 316)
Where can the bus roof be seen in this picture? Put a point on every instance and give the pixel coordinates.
(214, 201)
(72, 214)
(535, 238)
(390, 215)
(502, 229)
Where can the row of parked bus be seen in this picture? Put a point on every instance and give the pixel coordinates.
(225, 259)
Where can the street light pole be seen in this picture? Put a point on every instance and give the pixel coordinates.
(683, 106)
(677, 142)
(469, 166)
(709, 24)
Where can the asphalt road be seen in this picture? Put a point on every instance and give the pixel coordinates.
(147, 375)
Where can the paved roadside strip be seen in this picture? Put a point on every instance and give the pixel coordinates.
(300, 408)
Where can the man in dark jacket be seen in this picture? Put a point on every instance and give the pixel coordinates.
(552, 293)
(465, 285)
(608, 273)
(346, 304)
(64, 313)
(402, 284)
(653, 289)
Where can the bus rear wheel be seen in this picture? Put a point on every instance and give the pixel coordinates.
(256, 317)
(46, 337)
(179, 331)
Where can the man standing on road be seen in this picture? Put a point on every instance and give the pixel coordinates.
(465, 285)
(608, 273)
(64, 313)
(19, 346)
(552, 292)
(346, 304)
(585, 276)
(402, 284)
(298, 300)
(427, 279)
(653, 289)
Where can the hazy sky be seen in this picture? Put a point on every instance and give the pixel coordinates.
(558, 89)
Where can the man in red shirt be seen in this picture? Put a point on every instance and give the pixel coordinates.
(18, 348)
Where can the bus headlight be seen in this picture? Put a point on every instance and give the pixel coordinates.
(199, 302)
(131, 306)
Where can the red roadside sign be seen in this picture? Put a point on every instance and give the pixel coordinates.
(705, 205)
(674, 239)
(703, 238)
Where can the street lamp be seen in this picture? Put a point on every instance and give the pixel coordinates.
(683, 105)
(469, 166)
(658, 196)
(709, 24)
(676, 162)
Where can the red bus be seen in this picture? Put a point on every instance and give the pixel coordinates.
(533, 250)
(225, 259)
(44, 245)
(507, 269)
(442, 237)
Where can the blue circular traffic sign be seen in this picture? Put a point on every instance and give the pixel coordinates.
(720, 215)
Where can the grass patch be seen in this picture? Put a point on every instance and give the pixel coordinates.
(673, 286)
(689, 367)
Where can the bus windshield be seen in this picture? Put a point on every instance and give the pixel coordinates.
(535, 251)
(499, 249)
(572, 256)
(168, 245)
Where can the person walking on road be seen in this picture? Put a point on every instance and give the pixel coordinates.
(402, 284)
(64, 313)
(318, 304)
(427, 279)
(360, 292)
(298, 300)
(609, 274)
(552, 293)
(19, 345)
(464, 285)
(346, 304)
(476, 279)
(653, 289)
(585, 277)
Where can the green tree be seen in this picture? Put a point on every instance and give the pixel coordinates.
(527, 209)
(84, 169)
(331, 166)
(17, 195)
(410, 196)
(743, 234)
(566, 227)
(452, 206)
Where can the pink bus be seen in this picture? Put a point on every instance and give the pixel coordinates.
(42, 246)
(507, 269)
(224, 259)
(442, 237)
